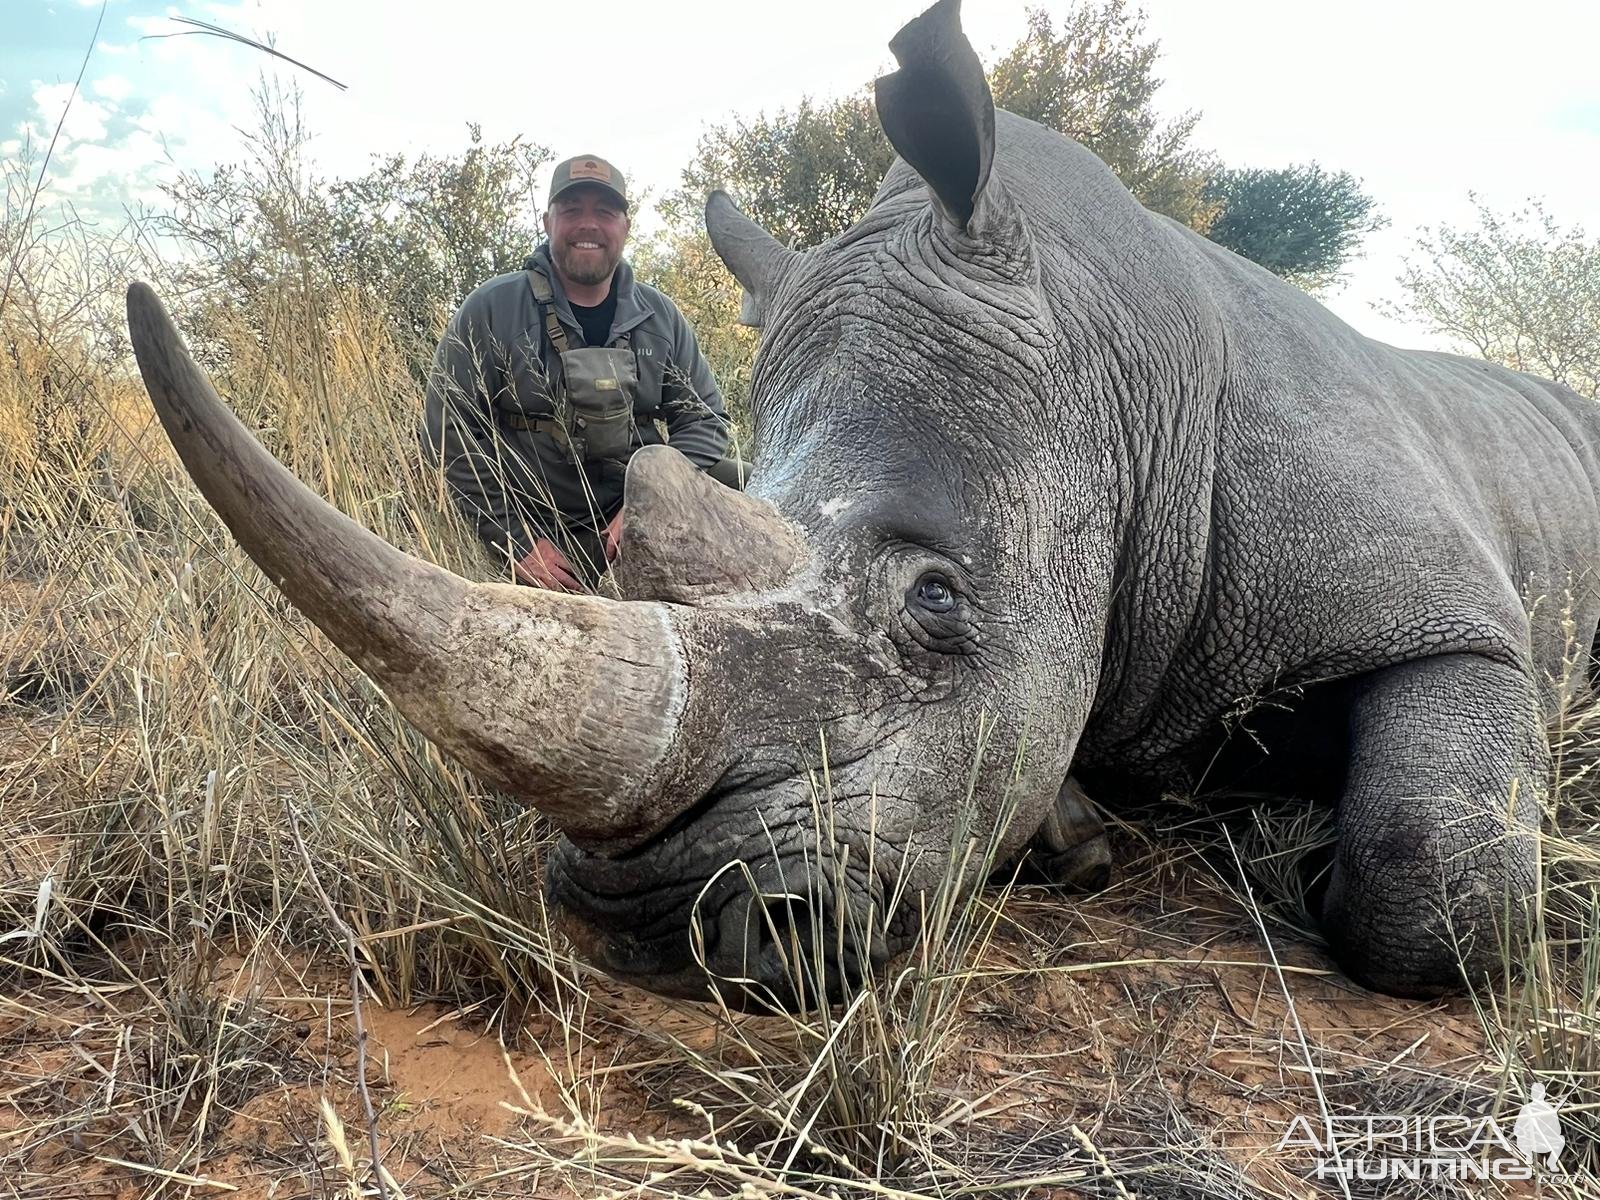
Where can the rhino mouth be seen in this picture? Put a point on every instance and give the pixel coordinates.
(769, 915)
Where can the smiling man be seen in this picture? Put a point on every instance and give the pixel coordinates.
(549, 378)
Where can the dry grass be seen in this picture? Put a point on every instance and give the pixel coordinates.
(186, 766)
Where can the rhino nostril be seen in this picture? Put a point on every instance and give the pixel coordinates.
(789, 927)
(796, 950)
(817, 952)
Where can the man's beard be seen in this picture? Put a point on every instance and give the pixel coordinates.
(584, 273)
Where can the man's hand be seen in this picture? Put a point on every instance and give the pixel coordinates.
(547, 567)
(614, 537)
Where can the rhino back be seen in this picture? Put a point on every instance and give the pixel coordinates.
(1372, 505)
(1323, 504)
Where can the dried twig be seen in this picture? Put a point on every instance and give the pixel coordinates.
(1100, 1158)
(200, 28)
(357, 985)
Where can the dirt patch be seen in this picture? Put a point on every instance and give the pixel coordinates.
(448, 1079)
(1168, 1058)
(1164, 1024)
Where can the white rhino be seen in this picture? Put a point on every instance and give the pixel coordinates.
(1027, 450)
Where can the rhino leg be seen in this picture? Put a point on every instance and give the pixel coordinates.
(1435, 862)
(1071, 848)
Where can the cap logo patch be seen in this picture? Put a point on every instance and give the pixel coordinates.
(590, 168)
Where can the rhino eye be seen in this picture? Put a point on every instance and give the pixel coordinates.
(937, 616)
(935, 595)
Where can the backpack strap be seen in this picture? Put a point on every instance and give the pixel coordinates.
(544, 299)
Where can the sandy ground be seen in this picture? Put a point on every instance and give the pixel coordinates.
(1158, 1037)
(1093, 1015)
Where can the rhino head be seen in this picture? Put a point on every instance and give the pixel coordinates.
(914, 596)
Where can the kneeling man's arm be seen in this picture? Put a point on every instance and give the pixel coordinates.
(459, 434)
(697, 421)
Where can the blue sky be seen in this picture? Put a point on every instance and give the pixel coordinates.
(1424, 101)
(114, 146)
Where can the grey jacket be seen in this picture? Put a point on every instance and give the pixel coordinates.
(491, 381)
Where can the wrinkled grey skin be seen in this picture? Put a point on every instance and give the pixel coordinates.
(1160, 481)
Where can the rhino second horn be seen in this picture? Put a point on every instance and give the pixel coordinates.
(688, 538)
(571, 703)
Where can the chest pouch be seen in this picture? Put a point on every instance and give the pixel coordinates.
(594, 398)
(599, 385)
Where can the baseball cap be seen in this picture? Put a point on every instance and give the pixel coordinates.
(588, 168)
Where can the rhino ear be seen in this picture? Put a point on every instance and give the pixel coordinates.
(753, 255)
(938, 112)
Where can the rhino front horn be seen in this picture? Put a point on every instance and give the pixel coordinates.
(571, 703)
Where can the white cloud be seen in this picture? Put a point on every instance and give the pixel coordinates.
(104, 158)
(197, 137)
(115, 88)
(136, 163)
(85, 119)
(144, 24)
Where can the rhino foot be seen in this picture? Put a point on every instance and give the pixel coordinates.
(1071, 849)
(1436, 869)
